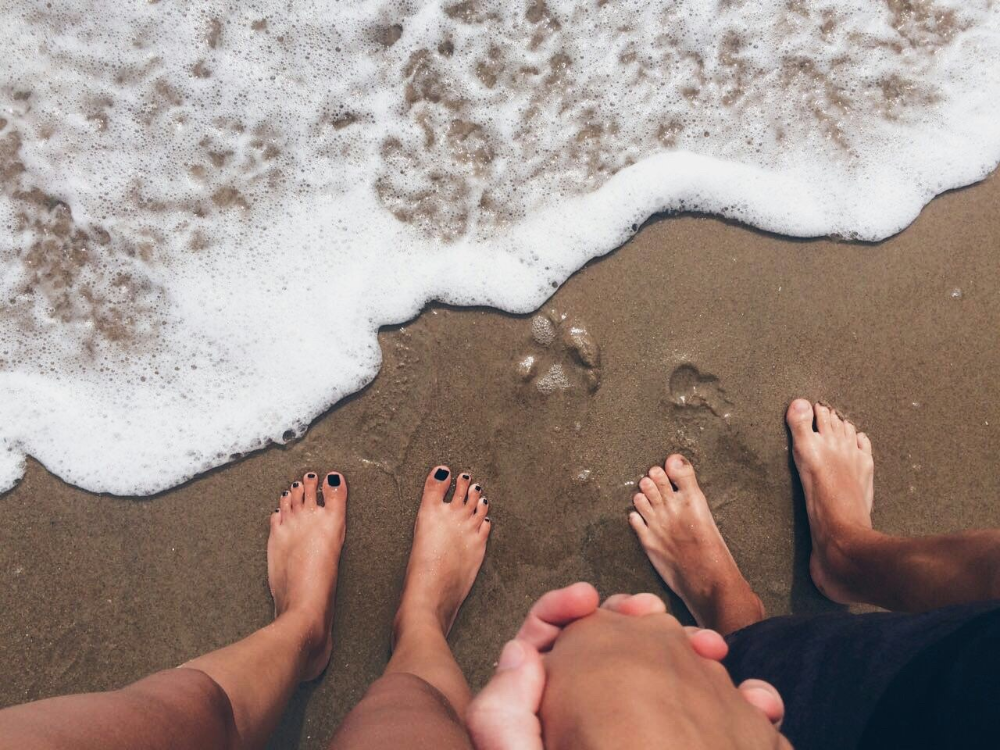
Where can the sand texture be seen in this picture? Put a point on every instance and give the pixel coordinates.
(693, 338)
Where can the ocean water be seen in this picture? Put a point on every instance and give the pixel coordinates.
(208, 209)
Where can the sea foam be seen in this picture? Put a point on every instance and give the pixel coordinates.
(209, 209)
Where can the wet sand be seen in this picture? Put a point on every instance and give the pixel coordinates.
(706, 330)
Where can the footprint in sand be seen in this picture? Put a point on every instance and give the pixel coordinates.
(564, 355)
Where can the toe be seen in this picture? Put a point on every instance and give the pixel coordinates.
(800, 419)
(298, 492)
(472, 499)
(864, 443)
(461, 488)
(823, 419)
(309, 483)
(437, 484)
(276, 519)
(850, 431)
(285, 503)
(334, 488)
(636, 522)
(641, 502)
(836, 423)
(662, 481)
(681, 473)
(482, 508)
(651, 491)
(485, 527)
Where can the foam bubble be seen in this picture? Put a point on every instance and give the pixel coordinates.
(208, 210)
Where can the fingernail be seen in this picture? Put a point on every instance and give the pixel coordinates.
(441, 474)
(310, 475)
(511, 657)
(333, 480)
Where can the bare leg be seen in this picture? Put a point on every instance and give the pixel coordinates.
(676, 528)
(423, 695)
(231, 698)
(853, 563)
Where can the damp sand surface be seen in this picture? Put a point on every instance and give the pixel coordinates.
(693, 337)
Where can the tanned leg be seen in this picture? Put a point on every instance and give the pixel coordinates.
(850, 561)
(231, 698)
(676, 528)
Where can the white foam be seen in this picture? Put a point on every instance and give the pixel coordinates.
(217, 206)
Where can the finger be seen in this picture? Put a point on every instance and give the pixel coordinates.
(554, 610)
(707, 643)
(765, 696)
(637, 605)
(504, 716)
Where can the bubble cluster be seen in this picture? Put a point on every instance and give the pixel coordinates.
(208, 209)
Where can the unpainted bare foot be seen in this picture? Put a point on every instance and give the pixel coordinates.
(303, 555)
(676, 528)
(837, 473)
(449, 544)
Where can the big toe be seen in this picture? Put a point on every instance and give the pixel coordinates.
(800, 418)
(681, 473)
(437, 484)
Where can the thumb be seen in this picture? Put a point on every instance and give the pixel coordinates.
(504, 716)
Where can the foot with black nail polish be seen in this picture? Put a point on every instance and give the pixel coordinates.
(449, 543)
(303, 554)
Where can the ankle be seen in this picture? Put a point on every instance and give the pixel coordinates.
(308, 630)
(416, 617)
(731, 607)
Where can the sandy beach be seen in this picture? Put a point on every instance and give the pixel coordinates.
(693, 337)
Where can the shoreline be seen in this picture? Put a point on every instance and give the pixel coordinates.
(705, 331)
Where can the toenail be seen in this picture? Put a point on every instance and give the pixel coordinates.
(333, 480)
(310, 476)
(276, 510)
(478, 488)
(465, 476)
(286, 493)
(295, 484)
(441, 474)
(487, 519)
(485, 501)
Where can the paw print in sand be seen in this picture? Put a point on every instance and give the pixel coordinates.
(564, 357)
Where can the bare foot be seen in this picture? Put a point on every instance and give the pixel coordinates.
(837, 472)
(678, 532)
(303, 553)
(449, 543)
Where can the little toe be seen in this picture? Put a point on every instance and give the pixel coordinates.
(437, 485)
(651, 491)
(864, 443)
(662, 481)
(285, 503)
(334, 489)
(485, 527)
(681, 473)
(800, 419)
(275, 518)
(836, 423)
(461, 488)
(481, 509)
(309, 483)
(639, 525)
(298, 492)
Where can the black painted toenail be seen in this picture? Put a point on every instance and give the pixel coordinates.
(465, 476)
(311, 476)
(441, 474)
(478, 488)
(487, 519)
(333, 480)
(286, 493)
(295, 484)
(276, 510)
(485, 501)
